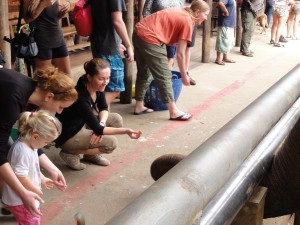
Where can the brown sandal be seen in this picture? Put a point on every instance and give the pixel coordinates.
(221, 63)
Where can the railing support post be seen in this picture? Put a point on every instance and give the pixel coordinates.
(253, 211)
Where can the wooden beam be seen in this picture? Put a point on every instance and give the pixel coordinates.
(126, 96)
(206, 36)
(253, 211)
(238, 29)
(141, 4)
(4, 31)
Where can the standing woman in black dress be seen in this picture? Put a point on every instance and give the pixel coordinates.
(43, 16)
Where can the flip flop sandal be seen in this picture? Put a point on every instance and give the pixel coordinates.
(143, 112)
(221, 63)
(183, 117)
(229, 61)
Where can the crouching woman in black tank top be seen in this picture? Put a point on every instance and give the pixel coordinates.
(88, 127)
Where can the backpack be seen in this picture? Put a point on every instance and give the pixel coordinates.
(257, 7)
(82, 15)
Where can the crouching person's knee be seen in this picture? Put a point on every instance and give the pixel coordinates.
(111, 144)
(114, 120)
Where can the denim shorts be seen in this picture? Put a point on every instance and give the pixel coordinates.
(192, 43)
(116, 82)
(171, 51)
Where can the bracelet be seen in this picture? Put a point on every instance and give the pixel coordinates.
(102, 123)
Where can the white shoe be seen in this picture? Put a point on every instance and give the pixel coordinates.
(72, 161)
(97, 159)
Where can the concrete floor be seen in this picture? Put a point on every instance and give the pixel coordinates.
(220, 94)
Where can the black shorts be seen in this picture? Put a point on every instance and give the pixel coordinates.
(53, 53)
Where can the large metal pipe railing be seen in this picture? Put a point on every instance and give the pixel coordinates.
(178, 196)
(222, 209)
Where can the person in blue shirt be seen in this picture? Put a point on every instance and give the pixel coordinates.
(225, 35)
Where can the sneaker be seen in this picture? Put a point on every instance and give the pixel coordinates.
(97, 159)
(278, 45)
(272, 42)
(282, 39)
(72, 161)
(252, 52)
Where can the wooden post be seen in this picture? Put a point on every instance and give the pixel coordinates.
(126, 96)
(253, 211)
(141, 7)
(206, 36)
(239, 29)
(4, 31)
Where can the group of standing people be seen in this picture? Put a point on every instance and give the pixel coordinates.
(83, 122)
(284, 9)
(250, 10)
(227, 23)
(276, 10)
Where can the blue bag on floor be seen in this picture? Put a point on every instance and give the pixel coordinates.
(152, 97)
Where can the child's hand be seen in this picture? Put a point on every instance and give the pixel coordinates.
(47, 183)
(134, 134)
(39, 192)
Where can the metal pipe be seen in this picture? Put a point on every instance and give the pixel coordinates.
(226, 204)
(180, 194)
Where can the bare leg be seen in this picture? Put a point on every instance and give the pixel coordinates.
(139, 107)
(278, 31)
(296, 24)
(110, 96)
(42, 64)
(226, 59)
(274, 26)
(63, 64)
(188, 57)
(219, 57)
(290, 23)
(170, 63)
(175, 112)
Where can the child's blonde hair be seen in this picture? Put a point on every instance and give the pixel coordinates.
(40, 122)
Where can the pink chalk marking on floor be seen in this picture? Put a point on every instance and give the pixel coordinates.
(72, 194)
